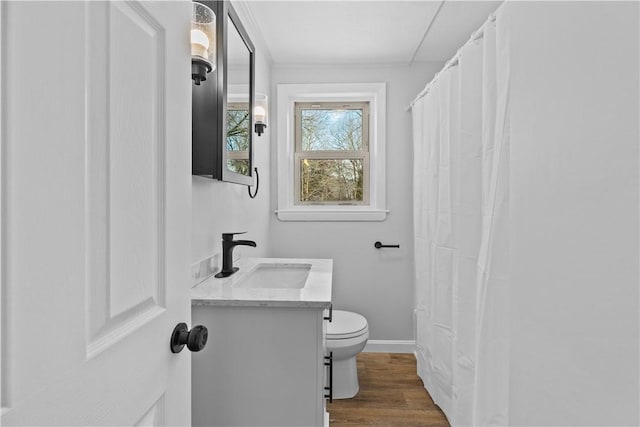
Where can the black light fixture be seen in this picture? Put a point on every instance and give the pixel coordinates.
(260, 113)
(203, 42)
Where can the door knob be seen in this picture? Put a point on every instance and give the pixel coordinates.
(195, 339)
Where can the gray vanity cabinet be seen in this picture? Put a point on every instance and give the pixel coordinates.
(262, 366)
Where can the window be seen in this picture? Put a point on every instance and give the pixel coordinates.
(331, 152)
(238, 137)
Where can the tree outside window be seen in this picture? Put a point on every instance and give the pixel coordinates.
(332, 153)
(238, 138)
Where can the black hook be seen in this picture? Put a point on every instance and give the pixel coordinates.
(253, 196)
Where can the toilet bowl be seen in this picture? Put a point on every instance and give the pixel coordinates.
(347, 335)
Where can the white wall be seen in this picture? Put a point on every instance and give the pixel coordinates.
(376, 283)
(574, 235)
(220, 207)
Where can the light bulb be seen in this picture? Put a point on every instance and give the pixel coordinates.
(259, 113)
(199, 43)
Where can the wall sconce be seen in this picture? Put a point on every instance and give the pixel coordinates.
(203, 42)
(260, 113)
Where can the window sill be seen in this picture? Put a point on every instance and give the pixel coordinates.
(351, 214)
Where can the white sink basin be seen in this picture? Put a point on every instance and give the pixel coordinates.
(276, 276)
(269, 282)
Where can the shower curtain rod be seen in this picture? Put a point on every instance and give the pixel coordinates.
(477, 35)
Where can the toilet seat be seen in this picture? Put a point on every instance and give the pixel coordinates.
(345, 325)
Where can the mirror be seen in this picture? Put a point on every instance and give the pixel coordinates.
(238, 129)
(238, 109)
(222, 119)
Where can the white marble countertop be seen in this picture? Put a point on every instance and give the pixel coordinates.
(222, 292)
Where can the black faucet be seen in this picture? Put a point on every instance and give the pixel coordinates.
(227, 253)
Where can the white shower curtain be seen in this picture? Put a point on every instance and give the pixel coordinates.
(461, 176)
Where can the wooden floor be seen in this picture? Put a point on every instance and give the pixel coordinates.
(391, 394)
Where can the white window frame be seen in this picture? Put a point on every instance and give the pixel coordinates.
(288, 95)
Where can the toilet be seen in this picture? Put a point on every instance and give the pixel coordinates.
(347, 335)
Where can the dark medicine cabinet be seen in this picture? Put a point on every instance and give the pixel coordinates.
(222, 106)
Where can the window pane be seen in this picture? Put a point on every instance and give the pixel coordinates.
(331, 180)
(237, 129)
(238, 166)
(331, 129)
(238, 139)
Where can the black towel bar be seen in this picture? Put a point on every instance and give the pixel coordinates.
(379, 245)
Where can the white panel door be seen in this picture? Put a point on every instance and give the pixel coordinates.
(95, 193)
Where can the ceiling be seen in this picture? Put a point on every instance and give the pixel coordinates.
(313, 32)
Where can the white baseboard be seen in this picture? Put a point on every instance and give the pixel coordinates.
(390, 346)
